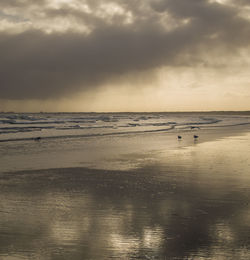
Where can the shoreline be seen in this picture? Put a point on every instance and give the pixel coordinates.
(171, 130)
(108, 152)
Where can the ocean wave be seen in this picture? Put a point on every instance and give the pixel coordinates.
(21, 126)
(13, 122)
(5, 130)
(82, 127)
(85, 135)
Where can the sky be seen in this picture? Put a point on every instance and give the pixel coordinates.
(124, 55)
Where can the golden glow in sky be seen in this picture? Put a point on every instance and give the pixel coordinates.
(164, 55)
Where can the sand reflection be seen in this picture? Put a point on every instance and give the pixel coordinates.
(194, 203)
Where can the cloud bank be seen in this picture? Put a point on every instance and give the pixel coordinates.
(58, 48)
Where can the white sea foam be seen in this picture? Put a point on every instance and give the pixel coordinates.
(50, 125)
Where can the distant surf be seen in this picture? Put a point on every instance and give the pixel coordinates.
(30, 126)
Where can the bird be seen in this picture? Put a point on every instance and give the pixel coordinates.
(179, 137)
(196, 137)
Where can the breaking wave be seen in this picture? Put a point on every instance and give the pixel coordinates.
(25, 126)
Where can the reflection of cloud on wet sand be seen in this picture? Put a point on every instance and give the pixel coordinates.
(156, 211)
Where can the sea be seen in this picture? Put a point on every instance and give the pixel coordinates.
(36, 126)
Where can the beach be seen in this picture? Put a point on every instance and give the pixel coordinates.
(124, 130)
(131, 196)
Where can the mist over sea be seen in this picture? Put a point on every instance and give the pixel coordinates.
(124, 186)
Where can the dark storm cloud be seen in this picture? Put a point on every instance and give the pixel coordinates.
(35, 64)
(22, 3)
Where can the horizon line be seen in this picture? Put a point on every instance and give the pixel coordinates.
(135, 112)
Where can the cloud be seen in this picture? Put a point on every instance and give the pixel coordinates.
(58, 48)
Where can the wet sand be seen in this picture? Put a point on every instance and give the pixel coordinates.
(123, 152)
(190, 203)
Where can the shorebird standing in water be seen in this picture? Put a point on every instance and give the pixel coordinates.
(196, 137)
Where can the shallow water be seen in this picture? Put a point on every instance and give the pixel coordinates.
(188, 203)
